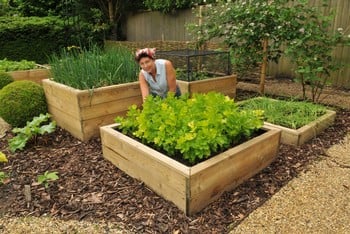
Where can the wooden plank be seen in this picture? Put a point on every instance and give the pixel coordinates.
(61, 97)
(35, 75)
(91, 127)
(108, 108)
(161, 158)
(225, 85)
(226, 171)
(162, 177)
(108, 93)
(67, 121)
(314, 128)
(184, 86)
(288, 136)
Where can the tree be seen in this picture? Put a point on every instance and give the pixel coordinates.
(254, 30)
(109, 12)
(311, 51)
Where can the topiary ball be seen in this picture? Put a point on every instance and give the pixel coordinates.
(20, 101)
(5, 79)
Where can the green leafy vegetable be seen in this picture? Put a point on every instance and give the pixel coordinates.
(194, 128)
(8, 65)
(47, 177)
(32, 129)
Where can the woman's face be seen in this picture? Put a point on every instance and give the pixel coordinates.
(147, 64)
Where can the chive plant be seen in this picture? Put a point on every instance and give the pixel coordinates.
(93, 68)
(288, 113)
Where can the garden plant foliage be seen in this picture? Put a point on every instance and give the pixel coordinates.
(288, 113)
(33, 128)
(93, 68)
(195, 128)
(258, 31)
(9, 65)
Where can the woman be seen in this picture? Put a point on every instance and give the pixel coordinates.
(157, 76)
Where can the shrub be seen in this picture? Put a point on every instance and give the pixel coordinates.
(5, 79)
(21, 101)
(36, 38)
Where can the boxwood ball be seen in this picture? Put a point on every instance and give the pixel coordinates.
(20, 101)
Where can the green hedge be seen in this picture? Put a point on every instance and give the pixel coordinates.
(36, 38)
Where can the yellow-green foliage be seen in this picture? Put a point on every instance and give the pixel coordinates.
(5, 79)
(21, 101)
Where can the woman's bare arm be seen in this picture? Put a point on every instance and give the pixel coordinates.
(143, 86)
(171, 76)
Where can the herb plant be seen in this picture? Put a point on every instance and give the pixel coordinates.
(31, 130)
(194, 128)
(288, 113)
(88, 69)
(47, 177)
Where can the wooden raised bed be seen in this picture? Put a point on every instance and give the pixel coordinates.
(225, 85)
(82, 112)
(189, 188)
(301, 135)
(35, 75)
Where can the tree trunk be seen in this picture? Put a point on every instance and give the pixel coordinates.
(265, 45)
(111, 15)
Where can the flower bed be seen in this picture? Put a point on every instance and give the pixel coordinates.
(319, 118)
(190, 150)
(190, 188)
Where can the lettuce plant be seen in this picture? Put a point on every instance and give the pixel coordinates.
(31, 130)
(195, 128)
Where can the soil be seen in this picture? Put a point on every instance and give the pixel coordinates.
(90, 188)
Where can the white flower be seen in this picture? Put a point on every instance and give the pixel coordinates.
(302, 30)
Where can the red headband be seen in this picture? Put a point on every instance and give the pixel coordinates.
(150, 52)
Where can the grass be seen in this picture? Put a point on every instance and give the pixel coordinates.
(291, 114)
(88, 69)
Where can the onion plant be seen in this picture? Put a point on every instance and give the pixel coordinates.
(288, 113)
(93, 68)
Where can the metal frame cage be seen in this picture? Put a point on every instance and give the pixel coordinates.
(191, 65)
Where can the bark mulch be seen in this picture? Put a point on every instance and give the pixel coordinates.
(90, 188)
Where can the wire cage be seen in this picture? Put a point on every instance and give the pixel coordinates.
(191, 65)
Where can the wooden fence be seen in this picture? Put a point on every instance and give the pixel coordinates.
(154, 26)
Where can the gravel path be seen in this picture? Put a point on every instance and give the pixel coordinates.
(318, 201)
